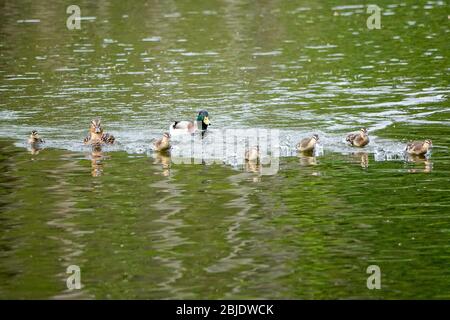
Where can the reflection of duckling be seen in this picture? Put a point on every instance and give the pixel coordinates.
(308, 144)
(307, 160)
(252, 154)
(363, 158)
(96, 135)
(162, 144)
(418, 147)
(163, 159)
(96, 161)
(252, 166)
(34, 138)
(428, 165)
(359, 139)
(35, 149)
(201, 123)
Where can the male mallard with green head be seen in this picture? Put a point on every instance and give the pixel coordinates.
(419, 148)
(359, 139)
(96, 135)
(202, 122)
(34, 138)
(162, 144)
(308, 144)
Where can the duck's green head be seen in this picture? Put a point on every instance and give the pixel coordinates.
(203, 118)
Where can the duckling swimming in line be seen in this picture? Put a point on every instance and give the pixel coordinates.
(359, 139)
(419, 147)
(252, 154)
(191, 127)
(162, 144)
(308, 144)
(96, 135)
(34, 138)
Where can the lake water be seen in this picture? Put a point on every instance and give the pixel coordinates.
(143, 225)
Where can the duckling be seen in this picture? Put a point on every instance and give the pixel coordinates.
(96, 135)
(252, 154)
(162, 144)
(34, 138)
(308, 144)
(419, 148)
(191, 127)
(359, 139)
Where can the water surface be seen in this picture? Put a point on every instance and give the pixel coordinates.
(141, 225)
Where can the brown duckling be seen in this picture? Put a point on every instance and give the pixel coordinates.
(34, 138)
(359, 139)
(252, 154)
(419, 147)
(162, 144)
(96, 135)
(308, 144)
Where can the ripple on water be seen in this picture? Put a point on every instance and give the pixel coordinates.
(29, 21)
(152, 39)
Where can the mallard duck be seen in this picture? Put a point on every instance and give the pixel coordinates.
(359, 139)
(252, 154)
(96, 135)
(308, 144)
(201, 123)
(419, 147)
(34, 138)
(162, 144)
